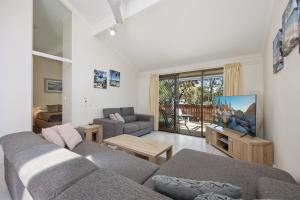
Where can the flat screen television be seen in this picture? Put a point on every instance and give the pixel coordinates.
(236, 112)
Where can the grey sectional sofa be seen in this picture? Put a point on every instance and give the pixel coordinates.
(135, 124)
(36, 169)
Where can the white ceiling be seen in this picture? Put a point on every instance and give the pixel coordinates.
(163, 33)
(182, 32)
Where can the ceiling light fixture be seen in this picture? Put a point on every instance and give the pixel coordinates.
(112, 31)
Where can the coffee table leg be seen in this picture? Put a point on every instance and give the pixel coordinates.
(169, 153)
(153, 159)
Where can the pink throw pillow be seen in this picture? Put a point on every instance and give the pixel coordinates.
(51, 134)
(69, 135)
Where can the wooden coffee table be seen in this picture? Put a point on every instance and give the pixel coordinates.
(145, 147)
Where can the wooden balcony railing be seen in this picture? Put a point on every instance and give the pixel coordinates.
(194, 110)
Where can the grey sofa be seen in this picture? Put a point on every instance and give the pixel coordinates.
(135, 124)
(36, 169)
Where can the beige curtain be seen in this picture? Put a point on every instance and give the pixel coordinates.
(232, 79)
(154, 98)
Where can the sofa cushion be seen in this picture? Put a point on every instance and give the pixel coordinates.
(52, 108)
(275, 189)
(36, 161)
(197, 165)
(104, 185)
(129, 118)
(127, 111)
(88, 148)
(51, 134)
(17, 142)
(186, 189)
(119, 117)
(107, 111)
(144, 124)
(131, 127)
(70, 135)
(38, 165)
(112, 117)
(124, 164)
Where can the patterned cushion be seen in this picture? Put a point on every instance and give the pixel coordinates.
(212, 196)
(186, 189)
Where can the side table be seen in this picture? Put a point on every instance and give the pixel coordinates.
(90, 130)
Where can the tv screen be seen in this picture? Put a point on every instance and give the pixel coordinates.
(236, 112)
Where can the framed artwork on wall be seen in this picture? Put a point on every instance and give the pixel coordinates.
(290, 27)
(100, 79)
(278, 62)
(53, 85)
(114, 78)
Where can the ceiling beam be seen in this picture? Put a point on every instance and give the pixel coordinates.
(125, 11)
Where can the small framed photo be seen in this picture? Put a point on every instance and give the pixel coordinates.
(290, 27)
(114, 78)
(100, 79)
(278, 61)
(53, 85)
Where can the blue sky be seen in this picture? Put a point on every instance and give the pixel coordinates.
(238, 102)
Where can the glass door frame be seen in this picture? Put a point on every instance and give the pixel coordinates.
(176, 77)
(175, 102)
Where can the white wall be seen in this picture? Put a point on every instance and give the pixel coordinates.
(252, 73)
(15, 66)
(281, 101)
(45, 68)
(90, 53)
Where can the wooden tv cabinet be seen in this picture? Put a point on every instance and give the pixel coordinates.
(252, 149)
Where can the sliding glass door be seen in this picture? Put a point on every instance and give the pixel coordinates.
(186, 101)
(168, 103)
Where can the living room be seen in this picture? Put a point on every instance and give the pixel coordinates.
(138, 44)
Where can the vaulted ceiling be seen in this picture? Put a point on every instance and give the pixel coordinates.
(182, 32)
(166, 33)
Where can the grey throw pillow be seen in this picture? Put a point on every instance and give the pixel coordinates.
(212, 196)
(186, 189)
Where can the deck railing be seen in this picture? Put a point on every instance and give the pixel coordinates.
(194, 110)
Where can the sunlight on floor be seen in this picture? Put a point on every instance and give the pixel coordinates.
(180, 142)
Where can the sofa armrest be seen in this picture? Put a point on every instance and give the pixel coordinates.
(275, 189)
(141, 117)
(147, 118)
(111, 128)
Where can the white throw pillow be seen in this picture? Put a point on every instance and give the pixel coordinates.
(113, 117)
(119, 117)
(69, 135)
(51, 134)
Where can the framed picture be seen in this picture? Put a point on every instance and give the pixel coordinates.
(292, 5)
(114, 78)
(290, 25)
(100, 79)
(53, 85)
(278, 62)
